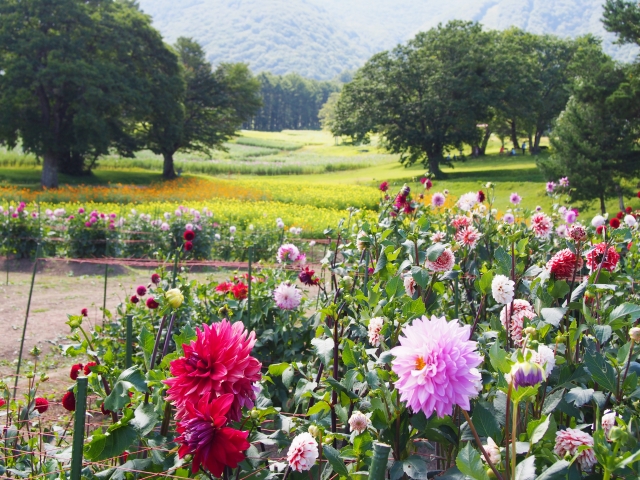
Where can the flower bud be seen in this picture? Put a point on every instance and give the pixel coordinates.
(314, 431)
(529, 331)
(634, 334)
(174, 297)
(75, 321)
(255, 414)
(526, 374)
(347, 281)
(35, 351)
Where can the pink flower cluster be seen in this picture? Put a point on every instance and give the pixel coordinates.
(521, 310)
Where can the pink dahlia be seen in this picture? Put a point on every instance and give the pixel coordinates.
(303, 452)
(384, 186)
(563, 264)
(460, 221)
(596, 255)
(438, 237)
(358, 422)
(515, 198)
(375, 327)
(578, 233)
(521, 310)
(444, 263)
(468, 237)
(436, 366)
(203, 434)
(437, 200)
(288, 251)
(541, 225)
(409, 285)
(216, 363)
(287, 296)
(569, 440)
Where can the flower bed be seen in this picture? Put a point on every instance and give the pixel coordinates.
(437, 339)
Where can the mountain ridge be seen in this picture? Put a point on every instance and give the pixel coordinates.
(321, 38)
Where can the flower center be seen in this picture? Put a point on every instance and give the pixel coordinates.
(420, 363)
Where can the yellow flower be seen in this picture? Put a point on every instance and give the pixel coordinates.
(174, 297)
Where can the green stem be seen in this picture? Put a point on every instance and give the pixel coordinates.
(514, 435)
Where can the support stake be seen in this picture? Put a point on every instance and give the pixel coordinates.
(379, 463)
(78, 429)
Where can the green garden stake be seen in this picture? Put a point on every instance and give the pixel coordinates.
(129, 341)
(26, 319)
(379, 463)
(78, 429)
(249, 285)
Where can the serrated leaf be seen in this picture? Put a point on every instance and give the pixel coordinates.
(486, 423)
(539, 431)
(324, 349)
(601, 371)
(421, 276)
(579, 396)
(625, 309)
(185, 337)
(334, 459)
(146, 341)
(320, 407)
(553, 316)
(415, 468)
(134, 376)
(499, 358)
(347, 356)
(145, 419)
(277, 369)
(557, 471)
(526, 469)
(602, 333)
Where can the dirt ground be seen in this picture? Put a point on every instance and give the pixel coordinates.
(60, 288)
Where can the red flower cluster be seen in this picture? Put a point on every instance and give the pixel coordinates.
(384, 186)
(41, 404)
(307, 276)
(563, 264)
(75, 371)
(402, 202)
(225, 287)
(599, 253)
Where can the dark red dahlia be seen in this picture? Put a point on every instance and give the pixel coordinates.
(596, 255)
(41, 404)
(619, 215)
(75, 371)
(104, 411)
(155, 278)
(628, 209)
(188, 246)
(141, 290)
(84, 312)
(638, 195)
(219, 361)
(69, 401)
(307, 276)
(134, 299)
(152, 304)
(203, 434)
(384, 186)
(481, 196)
(600, 229)
(87, 367)
(240, 291)
(189, 235)
(614, 222)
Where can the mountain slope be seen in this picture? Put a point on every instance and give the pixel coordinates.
(320, 38)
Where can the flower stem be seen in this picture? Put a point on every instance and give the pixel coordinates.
(479, 443)
(514, 435)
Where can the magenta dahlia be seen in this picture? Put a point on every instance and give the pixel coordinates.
(436, 364)
(204, 435)
(563, 264)
(216, 363)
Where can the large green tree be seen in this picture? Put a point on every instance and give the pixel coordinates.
(74, 80)
(425, 97)
(211, 105)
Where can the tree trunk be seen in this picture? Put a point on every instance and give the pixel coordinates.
(485, 141)
(620, 198)
(168, 171)
(49, 177)
(434, 166)
(514, 134)
(603, 207)
(536, 146)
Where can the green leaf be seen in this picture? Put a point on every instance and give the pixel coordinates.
(415, 468)
(486, 423)
(320, 407)
(324, 349)
(579, 396)
(118, 438)
(382, 261)
(287, 377)
(601, 371)
(413, 308)
(625, 309)
(503, 261)
(553, 316)
(147, 341)
(333, 456)
(602, 332)
(421, 276)
(557, 471)
(277, 369)
(347, 356)
(134, 376)
(185, 337)
(499, 358)
(468, 462)
(539, 430)
(559, 289)
(394, 286)
(145, 419)
(485, 282)
(526, 469)
(119, 397)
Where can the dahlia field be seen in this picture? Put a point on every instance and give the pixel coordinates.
(441, 339)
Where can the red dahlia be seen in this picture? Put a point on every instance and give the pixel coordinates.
(384, 186)
(614, 222)
(240, 291)
(219, 361)
(481, 196)
(189, 235)
(69, 401)
(84, 312)
(204, 435)
(152, 304)
(41, 405)
(307, 276)
(87, 367)
(188, 246)
(141, 290)
(155, 278)
(628, 209)
(225, 287)
(563, 264)
(134, 299)
(75, 371)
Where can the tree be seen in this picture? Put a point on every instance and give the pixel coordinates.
(327, 113)
(425, 97)
(72, 88)
(594, 144)
(207, 107)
